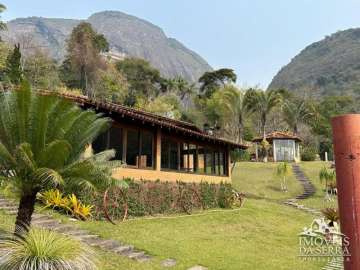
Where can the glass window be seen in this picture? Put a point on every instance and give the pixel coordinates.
(216, 162)
(174, 158)
(209, 161)
(165, 149)
(192, 158)
(222, 163)
(284, 150)
(169, 154)
(147, 140)
(201, 159)
(132, 147)
(116, 141)
(184, 157)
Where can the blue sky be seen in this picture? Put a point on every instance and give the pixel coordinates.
(254, 37)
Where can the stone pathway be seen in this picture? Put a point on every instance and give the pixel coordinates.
(109, 245)
(309, 190)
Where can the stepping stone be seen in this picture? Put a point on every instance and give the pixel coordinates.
(84, 237)
(135, 255)
(198, 267)
(168, 263)
(123, 249)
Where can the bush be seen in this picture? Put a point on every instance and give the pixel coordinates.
(308, 154)
(71, 205)
(240, 155)
(143, 198)
(43, 249)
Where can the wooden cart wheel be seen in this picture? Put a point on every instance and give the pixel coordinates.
(115, 205)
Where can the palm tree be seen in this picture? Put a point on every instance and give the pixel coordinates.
(2, 24)
(42, 141)
(262, 103)
(296, 112)
(235, 109)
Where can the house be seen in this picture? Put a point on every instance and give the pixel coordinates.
(283, 146)
(153, 147)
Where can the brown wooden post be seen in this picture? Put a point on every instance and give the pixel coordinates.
(158, 150)
(346, 134)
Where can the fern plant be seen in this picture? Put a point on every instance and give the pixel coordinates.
(42, 140)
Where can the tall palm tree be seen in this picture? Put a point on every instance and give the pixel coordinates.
(262, 103)
(296, 112)
(235, 109)
(42, 141)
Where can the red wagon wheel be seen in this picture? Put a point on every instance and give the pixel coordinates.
(115, 205)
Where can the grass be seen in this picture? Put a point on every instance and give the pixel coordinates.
(261, 235)
(259, 180)
(311, 170)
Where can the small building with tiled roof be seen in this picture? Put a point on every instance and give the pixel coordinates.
(284, 146)
(154, 147)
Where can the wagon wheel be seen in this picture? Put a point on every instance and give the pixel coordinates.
(115, 205)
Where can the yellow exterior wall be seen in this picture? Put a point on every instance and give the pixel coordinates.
(153, 175)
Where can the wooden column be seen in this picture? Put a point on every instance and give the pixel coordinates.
(158, 150)
(346, 136)
(274, 151)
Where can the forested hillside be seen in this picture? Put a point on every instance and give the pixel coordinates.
(328, 67)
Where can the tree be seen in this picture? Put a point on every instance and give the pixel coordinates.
(144, 80)
(236, 110)
(111, 85)
(83, 58)
(262, 103)
(13, 70)
(2, 24)
(41, 71)
(42, 141)
(295, 112)
(212, 80)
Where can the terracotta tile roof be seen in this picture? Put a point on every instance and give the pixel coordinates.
(181, 126)
(278, 135)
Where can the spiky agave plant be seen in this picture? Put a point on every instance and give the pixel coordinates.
(41, 249)
(331, 214)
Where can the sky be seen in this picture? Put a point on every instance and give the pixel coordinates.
(254, 37)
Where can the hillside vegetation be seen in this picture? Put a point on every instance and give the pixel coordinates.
(328, 67)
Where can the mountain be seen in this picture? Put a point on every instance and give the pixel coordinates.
(128, 36)
(328, 67)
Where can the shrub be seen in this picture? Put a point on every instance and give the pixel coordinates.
(240, 155)
(42, 249)
(331, 214)
(56, 200)
(149, 198)
(308, 154)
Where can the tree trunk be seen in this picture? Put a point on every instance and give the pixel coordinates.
(265, 151)
(25, 211)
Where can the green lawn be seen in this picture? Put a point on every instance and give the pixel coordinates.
(259, 180)
(311, 170)
(261, 235)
